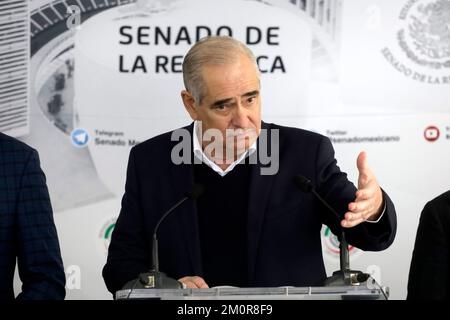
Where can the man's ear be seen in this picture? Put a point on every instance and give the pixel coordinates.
(189, 104)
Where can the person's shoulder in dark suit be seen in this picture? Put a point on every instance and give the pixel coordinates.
(429, 275)
(10, 144)
(294, 132)
(28, 233)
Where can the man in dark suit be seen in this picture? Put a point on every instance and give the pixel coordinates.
(250, 227)
(27, 230)
(429, 274)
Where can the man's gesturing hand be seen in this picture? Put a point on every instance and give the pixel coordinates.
(368, 203)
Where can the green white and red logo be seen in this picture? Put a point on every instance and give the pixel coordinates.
(105, 233)
(330, 245)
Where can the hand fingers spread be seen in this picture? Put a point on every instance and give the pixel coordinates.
(364, 194)
(361, 161)
(352, 223)
(361, 206)
(351, 216)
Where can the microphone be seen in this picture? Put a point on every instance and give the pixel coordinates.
(197, 191)
(344, 276)
(154, 279)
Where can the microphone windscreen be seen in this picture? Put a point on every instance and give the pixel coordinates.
(197, 191)
(303, 183)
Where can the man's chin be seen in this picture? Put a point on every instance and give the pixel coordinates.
(236, 153)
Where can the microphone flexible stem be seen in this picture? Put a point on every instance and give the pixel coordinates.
(344, 256)
(155, 259)
(169, 212)
(155, 254)
(325, 203)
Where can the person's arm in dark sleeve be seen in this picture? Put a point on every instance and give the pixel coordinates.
(39, 258)
(336, 189)
(129, 252)
(429, 272)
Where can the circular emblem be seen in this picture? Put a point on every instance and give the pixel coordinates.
(79, 137)
(104, 235)
(431, 133)
(426, 37)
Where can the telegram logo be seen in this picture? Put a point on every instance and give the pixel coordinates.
(79, 137)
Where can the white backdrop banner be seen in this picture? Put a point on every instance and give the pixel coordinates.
(106, 75)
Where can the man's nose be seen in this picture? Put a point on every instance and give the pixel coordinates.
(240, 117)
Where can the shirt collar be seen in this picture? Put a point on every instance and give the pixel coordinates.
(198, 152)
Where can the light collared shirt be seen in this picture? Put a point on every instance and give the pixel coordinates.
(198, 152)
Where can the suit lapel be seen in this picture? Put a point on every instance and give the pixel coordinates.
(259, 194)
(182, 177)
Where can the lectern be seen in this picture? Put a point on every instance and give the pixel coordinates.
(368, 290)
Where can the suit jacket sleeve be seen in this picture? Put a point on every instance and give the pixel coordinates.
(129, 251)
(429, 271)
(334, 186)
(39, 259)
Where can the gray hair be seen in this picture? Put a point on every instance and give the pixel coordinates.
(214, 50)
